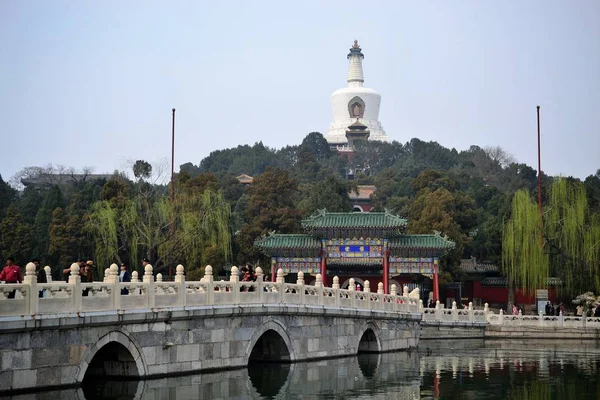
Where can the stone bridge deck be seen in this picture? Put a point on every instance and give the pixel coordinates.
(161, 328)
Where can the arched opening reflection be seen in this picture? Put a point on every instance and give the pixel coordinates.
(368, 342)
(368, 363)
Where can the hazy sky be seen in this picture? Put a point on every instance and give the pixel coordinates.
(92, 83)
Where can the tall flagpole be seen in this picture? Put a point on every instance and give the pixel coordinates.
(172, 227)
(540, 178)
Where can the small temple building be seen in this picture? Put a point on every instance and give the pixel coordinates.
(355, 108)
(364, 246)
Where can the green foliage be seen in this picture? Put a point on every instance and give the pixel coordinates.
(271, 207)
(465, 195)
(7, 197)
(523, 258)
(142, 170)
(16, 236)
(438, 208)
(567, 247)
(194, 230)
(330, 194)
(52, 200)
(316, 145)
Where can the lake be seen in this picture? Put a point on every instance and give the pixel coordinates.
(441, 369)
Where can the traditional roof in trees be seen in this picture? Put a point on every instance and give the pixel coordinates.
(294, 243)
(435, 243)
(322, 223)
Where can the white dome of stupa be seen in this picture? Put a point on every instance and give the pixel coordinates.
(355, 102)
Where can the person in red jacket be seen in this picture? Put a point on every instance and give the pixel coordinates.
(11, 274)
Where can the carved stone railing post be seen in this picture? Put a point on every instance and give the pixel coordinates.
(501, 317)
(421, 308)
(454, 311)
(180, 280)
(380, 295)
(48, 271)
(234, 279)
(352, 289)
(280, 284)
(260, 285)
(159, 277)
(561, 319)
(75, 281)
(397, 306)
(210, 288)
(135, 279)
(405, 291)
(30, 279)
(541, 319)
(319, 288)
(471, 312)
(584, 319)
(149, 281)
(486, 311)
(336, 290)
(300, 282)
(439, 312)
(113, 278)
(367, 290)
(106, 274)
(300, 279)
(520, 318)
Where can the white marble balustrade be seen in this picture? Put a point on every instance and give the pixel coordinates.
(543, 321)
(110, 295)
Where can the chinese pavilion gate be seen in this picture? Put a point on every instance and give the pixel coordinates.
(351, 242)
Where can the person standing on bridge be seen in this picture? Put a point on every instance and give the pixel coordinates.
(41, 275)
(67, 271)
(11, 274)
(124, 276)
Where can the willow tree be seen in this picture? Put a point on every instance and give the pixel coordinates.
(568, 245)
(194, 230)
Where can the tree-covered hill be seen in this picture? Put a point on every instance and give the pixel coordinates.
(466, 195)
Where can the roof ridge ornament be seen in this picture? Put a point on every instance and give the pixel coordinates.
(355, 45)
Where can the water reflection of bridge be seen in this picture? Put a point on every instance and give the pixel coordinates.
(497, 357)
(366, 376)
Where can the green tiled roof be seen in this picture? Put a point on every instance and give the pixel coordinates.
(288, 241)
(421, 242)
(353, 220)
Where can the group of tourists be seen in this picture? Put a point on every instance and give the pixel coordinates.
(12, 274)
(554, 309)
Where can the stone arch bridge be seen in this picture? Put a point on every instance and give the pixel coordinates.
(77, 331)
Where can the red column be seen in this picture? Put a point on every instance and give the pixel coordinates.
(324, 267)
(436, 289)
(386, 273)
(273, 270)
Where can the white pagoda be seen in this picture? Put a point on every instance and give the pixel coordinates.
(355, 103)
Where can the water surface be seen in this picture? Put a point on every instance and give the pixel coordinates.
(459, 369)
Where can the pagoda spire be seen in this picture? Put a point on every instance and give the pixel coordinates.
(355, 71)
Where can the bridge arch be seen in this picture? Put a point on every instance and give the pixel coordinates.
(369, 338)
(121, 343)
(272, 334)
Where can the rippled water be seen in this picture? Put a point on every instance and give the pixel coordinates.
(437, 370)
